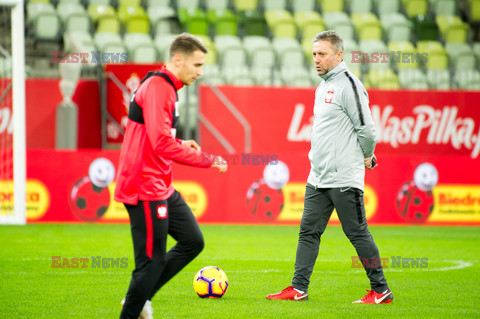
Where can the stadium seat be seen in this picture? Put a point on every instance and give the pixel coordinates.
(35, 8)
(452, 28)
(439, 79)
(397, 27)
(223, 42)
(163, 3)
(360, 6)
(163, 19)
(378, 47)
(134, 19)
(367, 26)
(105, 38)
(43, 20)
(425, 28)
(309, 23)
(288, 51)
(461, 55)
(212, 75)
(104, 18)
(236, 73)
(216, 4)
(273, 5)
(211, 57)
(387, 7)
(260, 51)
(252, 23)
(340, 22)
(262, 75)
(66, 1)
(82, 39)
(331, 6)
(73, 17)
(444, 7)
(109, 42)
(302, 18)
(295, 76)
(412, 79)
(403, 55)
(281, 23)
(383, 78)
(162, 43)
(5, 67)
(99, 2)
(223, 22)
(304, 5)
(436, 54)
(193, 4)
(233, 56)
(350, 46)
(129, 3)
(141, 48)
(356, 70)
(476, 49)
(194, 20)
(473, 10)
(414, 8)
(467, 79)
(245, 5)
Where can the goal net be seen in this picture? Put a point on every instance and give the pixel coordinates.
(12, 113)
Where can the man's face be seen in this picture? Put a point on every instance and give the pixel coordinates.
(325, 57)
(190, 66)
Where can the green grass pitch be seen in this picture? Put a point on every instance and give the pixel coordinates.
(257, 259)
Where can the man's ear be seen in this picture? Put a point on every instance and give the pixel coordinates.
(339, 55)
(177, 59)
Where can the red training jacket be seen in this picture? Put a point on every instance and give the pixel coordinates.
(149, 149)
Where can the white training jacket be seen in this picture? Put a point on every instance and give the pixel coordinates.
(343, 131)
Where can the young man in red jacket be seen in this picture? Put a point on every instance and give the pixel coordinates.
(144, 178)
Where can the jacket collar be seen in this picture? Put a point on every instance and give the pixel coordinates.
(340, 68)
(178, 84)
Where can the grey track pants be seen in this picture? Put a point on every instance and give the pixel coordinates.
(319, 205)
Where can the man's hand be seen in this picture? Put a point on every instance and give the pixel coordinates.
(192, 144)
(221, 164)
(370, 162)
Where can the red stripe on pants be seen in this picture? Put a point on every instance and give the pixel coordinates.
(149, 227)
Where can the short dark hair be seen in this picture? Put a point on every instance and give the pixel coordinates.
(331, 36)
(186, 43)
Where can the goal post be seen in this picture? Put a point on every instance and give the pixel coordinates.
(13, 53)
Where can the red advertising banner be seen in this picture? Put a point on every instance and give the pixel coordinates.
(41, 113)
(427, 155)
(78, 187)
(407, 122)
(122, 80)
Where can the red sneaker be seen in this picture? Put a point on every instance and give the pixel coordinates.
(289, 293)
(375, 298)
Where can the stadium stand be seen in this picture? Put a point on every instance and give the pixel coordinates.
(257, 39)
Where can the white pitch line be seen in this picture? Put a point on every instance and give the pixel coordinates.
(460, 264)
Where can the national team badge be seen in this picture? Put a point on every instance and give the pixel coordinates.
(162, 211)
(329, 97)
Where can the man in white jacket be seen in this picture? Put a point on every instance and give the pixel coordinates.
(342, 146)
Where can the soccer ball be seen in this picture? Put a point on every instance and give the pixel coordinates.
(210, 282)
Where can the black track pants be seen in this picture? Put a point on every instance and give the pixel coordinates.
(318, 207)
(150, 223)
